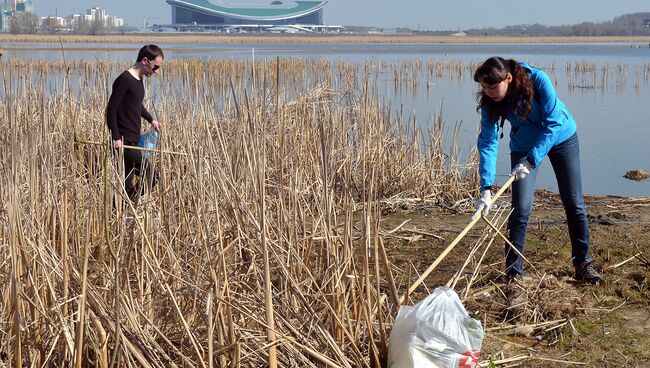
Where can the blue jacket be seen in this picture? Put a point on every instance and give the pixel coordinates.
(549, 123)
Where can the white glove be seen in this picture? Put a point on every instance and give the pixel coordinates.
(483, 204)
(521, 170)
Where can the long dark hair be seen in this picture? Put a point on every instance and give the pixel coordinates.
(520, 91)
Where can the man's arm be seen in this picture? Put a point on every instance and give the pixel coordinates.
(147, 116)
(120, 87)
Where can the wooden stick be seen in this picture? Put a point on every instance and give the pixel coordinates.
(399, 227)
(504, 361)
(186, 326)
(533, 326)
(559, 361)
(210, 331)
(81, 311)
(512, 246)
(102, 359)
(391, 280)
(451, 246)
(624, 262)
(135, 148)
(259, 158)
(420, 232)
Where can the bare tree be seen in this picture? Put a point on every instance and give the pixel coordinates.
(26, 22)
(49, 25)
(96, 27)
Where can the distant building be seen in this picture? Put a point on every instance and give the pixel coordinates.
(54, 22)
(94, 15)
(101, 16)
(5, 16)
(4, 22)
(274, 13)
(24, 6)
(114, 22)
(10, 7)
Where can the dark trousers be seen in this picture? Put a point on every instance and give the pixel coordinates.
(136, 164)
(565, 159)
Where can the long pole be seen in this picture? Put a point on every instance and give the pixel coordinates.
(135, 148)
(451, 246)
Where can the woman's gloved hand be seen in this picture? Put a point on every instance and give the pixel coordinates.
(521, 170)
(483, 204)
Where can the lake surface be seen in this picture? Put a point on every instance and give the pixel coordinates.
(610, 101)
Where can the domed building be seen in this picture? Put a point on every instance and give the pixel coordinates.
(274, 12)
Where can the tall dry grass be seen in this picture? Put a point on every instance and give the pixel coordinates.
(260, 246)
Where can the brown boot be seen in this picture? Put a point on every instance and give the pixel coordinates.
(586, 272)
(516, 295)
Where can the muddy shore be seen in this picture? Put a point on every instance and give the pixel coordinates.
(605, 325)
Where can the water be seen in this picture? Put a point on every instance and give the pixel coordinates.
(613, 119)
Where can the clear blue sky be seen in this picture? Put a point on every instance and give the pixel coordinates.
(428, 14)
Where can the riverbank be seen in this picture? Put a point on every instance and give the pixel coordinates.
(565, 321)
(163, 38)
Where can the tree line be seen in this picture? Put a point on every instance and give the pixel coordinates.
(636, 24)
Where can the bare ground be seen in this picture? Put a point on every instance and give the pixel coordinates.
(562, 321)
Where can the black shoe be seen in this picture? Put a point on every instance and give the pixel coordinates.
(586, 272)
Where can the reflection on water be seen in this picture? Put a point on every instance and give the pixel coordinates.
(604, 85)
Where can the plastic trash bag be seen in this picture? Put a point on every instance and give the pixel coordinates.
(436, 332)
(149, 140)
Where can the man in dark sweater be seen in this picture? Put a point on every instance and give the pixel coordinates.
(124, 113)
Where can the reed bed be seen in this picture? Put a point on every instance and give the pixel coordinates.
(407, 77)
(260, 246)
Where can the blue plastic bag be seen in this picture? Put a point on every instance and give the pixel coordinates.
(149, 140)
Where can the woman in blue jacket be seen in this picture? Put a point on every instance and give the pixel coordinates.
(541, 126)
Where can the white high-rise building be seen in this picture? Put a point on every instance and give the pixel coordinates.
(75, 20)
(92, 17)
(97, 14)
(100, 15)
(57, 22)
(114, 22)
(10, 7)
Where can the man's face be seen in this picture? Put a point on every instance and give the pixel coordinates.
(152, 66)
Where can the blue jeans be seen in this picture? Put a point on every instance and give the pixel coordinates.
(565, 159)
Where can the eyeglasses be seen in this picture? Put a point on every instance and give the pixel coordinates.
(154, 67)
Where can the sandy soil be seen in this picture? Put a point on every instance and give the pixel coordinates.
(564, 321)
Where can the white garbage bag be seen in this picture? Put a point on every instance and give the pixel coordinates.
(436, 332)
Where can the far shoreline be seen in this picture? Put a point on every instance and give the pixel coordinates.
(163, 38)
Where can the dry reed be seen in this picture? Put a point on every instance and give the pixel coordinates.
(260, 246)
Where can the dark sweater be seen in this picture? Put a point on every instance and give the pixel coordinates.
(125, 108)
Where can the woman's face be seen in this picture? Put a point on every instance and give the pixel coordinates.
(497, 91)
